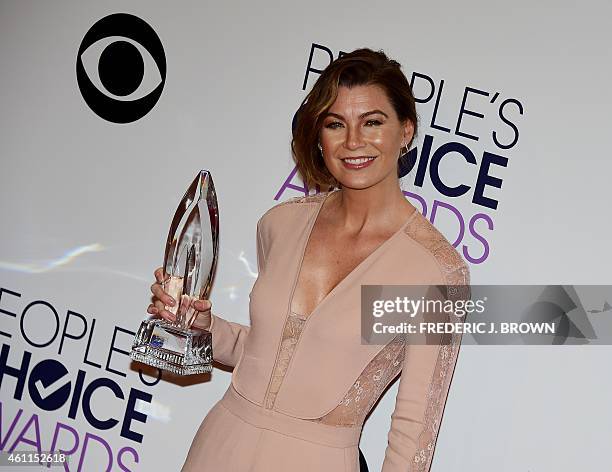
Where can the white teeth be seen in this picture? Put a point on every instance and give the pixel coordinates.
(360, 160)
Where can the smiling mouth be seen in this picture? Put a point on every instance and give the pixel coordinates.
(358, 160)
(358, 163)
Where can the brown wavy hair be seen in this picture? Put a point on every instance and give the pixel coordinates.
(360, 67)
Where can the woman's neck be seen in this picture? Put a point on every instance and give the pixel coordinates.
(375, 206)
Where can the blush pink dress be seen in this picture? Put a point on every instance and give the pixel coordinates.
(302, 387)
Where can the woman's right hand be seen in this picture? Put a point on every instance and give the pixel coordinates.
(197, 312)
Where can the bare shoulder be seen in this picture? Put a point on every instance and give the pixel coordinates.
(453, 267)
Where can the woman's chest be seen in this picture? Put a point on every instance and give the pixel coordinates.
(328, 260)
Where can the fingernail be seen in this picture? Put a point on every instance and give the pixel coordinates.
(171, 302)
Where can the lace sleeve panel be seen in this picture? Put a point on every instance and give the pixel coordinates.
(424, 384)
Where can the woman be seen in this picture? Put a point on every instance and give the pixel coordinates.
(303, 382)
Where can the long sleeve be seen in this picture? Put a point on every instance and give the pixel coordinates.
(227, 340)
(424, 383)
(228, 337)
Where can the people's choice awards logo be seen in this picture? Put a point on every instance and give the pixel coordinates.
(121, 68)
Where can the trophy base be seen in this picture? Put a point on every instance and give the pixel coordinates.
(180, 351)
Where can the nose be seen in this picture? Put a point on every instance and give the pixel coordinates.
(354, 139)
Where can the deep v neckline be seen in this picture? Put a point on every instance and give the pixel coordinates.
(350, 274)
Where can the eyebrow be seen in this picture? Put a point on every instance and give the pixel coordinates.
(363, 115)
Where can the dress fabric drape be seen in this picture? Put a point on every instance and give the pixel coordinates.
(302, 386)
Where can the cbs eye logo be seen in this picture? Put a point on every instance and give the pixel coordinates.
(121, 68)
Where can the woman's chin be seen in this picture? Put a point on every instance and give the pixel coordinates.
(359, 182)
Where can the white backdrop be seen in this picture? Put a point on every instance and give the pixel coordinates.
(86, 206)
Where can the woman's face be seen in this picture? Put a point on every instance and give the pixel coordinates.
(361, 137)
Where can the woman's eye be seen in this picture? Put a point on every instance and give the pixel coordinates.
(333, 125)
(373, 123)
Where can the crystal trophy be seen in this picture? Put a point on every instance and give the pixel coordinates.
(189, 264)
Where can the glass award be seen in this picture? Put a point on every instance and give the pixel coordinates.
(189, 264)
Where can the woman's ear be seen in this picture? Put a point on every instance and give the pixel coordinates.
(408, 132)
